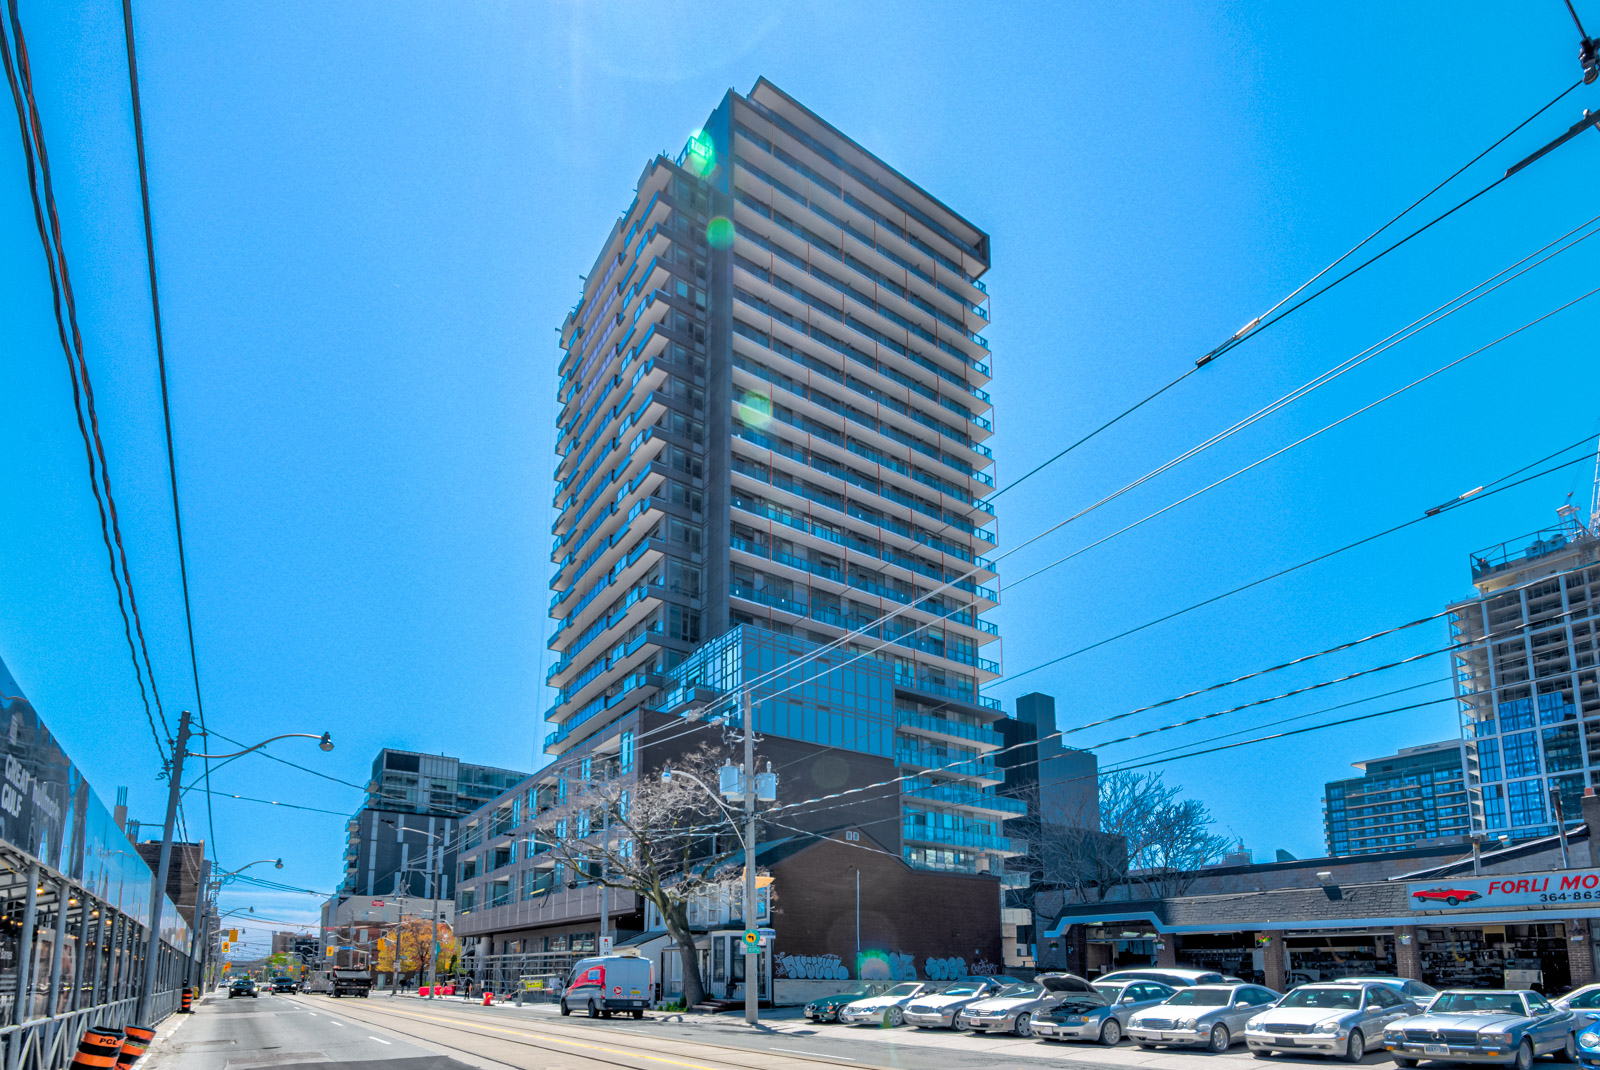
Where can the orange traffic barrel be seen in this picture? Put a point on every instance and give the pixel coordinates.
(98, 1049)
(488, 999)
(136, 1038)
(188, 1002)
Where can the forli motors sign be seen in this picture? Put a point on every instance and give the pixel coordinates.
(1517, 890)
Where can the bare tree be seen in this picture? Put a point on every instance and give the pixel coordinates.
(660, 843)
(1147, 836)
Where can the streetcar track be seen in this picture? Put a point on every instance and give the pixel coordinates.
(567, 1045)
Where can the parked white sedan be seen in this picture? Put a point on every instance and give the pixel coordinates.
(1209, 1016)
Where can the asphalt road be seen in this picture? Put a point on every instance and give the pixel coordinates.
(406, 1033)
(279, 1033)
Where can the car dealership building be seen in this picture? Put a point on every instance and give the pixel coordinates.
(1524, 919)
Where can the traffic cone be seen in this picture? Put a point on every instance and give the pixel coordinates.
(98, 1049)
(135, 1039)
(188, 1002)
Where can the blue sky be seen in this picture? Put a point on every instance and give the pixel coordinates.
(370, 221)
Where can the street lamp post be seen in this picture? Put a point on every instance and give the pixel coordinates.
(158, 887)
(747, 839)
(436, 874)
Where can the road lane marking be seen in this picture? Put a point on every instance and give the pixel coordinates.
(560, 1040)
(336, 1022)
(380, 1040)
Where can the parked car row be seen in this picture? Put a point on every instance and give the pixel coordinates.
(1161, 1007)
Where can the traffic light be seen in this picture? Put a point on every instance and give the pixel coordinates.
(224, 947)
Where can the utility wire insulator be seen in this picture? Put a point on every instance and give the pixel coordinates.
(1589, 119)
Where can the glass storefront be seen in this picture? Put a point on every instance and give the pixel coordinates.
(1496, 956)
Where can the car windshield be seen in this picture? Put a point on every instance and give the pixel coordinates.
(1020, 992)
(1308, 996)
(962, 990)
(857, 990)
(907, 989)
(1477, 1003)
(1111, 992)
(1200, 997)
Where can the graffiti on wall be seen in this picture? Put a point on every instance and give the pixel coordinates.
(885, 966)
(944, 969)
(813, 967)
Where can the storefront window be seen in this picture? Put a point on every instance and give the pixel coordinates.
(1496, 956)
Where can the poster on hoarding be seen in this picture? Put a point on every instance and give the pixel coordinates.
(1581, 886)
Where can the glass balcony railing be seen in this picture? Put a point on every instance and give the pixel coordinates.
(915, 832)
(946, 727)
(963, 795)
(947, 762)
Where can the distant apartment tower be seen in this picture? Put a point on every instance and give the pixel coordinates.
(1418, 793)
(403, 841)
(1057, 788)
(771, 434)
(1525, 677)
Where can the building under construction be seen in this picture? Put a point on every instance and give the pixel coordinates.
(1525, 676)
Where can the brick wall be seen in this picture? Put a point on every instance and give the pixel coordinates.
(905, 911)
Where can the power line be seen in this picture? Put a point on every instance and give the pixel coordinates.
(1426, 321)
(1256, 326)
(1466, 499)
(956, 766)
(32, 129)
(166, 406)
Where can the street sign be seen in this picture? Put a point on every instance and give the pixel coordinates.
(233, 936)
(605, 945)
(1491, 893)
(752, 942)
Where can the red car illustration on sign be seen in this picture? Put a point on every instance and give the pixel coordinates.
(1448, 896)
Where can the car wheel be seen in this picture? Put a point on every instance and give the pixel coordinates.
(594, 1010)
(1220, 1040)
(1024, 1026)
(894, 1016)
(1569, 1050)
(565, 1010)
(1356, 1048)
(957, 1025)
(1452, 900)
(638, 1014)
(1111, 1032)
(1524, 1058)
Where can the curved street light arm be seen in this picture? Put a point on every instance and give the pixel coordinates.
(733, 819)
(325, 740)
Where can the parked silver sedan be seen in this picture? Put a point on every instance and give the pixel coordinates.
(1506, 1026)
(1209, 1016)
(1013, 1009)
(1102, 1016)
(886, 1008)
(1341, 1018)
(943, 1009)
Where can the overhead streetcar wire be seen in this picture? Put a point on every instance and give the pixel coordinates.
(166, 405)
(19, 76)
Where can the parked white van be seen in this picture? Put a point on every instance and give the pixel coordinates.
(607, 984)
